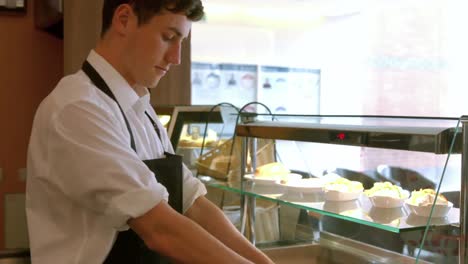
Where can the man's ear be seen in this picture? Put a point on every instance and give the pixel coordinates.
(124, 19)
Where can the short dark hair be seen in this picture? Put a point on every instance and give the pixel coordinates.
(146, 9)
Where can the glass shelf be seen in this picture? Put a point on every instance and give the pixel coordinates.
(360, 211)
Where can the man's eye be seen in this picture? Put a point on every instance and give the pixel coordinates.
(168, 37)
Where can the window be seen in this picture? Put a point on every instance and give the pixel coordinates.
(403, 57)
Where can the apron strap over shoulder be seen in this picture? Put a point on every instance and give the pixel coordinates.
(102, 85)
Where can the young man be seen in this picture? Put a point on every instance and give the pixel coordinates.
(97, 145)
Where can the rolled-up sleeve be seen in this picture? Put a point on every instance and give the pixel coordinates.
(193, 188)
(94, 165)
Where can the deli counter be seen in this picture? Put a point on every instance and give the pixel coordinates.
(357, 189)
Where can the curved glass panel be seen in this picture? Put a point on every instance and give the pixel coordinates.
(441, 242)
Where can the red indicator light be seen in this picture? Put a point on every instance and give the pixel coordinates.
(341, 136)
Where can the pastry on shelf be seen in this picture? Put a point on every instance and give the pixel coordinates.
(421, 202)
(270, 170)
(344, 185)
(271, 174)
(297, 184)
(386, 195)
(386, 189)
(342, 189)
(425, 197)
(219, 162)
(222, 160)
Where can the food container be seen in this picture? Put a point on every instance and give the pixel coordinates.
(333, 195)
(387, 201)
(310, 185)
(440, 210)
(272, 180)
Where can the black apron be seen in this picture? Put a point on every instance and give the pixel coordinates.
(129, 248)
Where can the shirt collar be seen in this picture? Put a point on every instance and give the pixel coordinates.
(124, 93)
(141, 105)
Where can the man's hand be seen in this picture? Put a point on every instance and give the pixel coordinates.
(171, 234)
(213, 220)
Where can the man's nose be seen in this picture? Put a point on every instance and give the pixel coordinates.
(174, 53)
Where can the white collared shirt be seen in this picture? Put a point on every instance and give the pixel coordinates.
(84, 180)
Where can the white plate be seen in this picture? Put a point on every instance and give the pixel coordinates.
(332, 195)
(271, 180)
(440, 210)
(388, 202)
(311, 185)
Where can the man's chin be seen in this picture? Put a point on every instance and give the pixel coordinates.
(153, 83)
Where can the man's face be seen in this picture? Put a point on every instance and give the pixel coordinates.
(152, 48)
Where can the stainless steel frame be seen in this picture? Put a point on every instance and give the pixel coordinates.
(189, 114)
(463, 194)
(335, 249)
(425, 139)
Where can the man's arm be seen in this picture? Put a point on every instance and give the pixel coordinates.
(176, 236)
(212, 219)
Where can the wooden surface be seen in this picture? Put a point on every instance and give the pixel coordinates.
(31, 65)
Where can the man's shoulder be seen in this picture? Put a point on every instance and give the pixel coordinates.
(71, 90)
(74, 86)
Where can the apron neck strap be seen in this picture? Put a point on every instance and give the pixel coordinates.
(156, 128)
(102, 85)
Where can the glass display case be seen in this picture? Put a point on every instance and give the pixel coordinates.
(195, 130)
(356, 189)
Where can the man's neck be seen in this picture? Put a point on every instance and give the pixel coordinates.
(113, 56)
